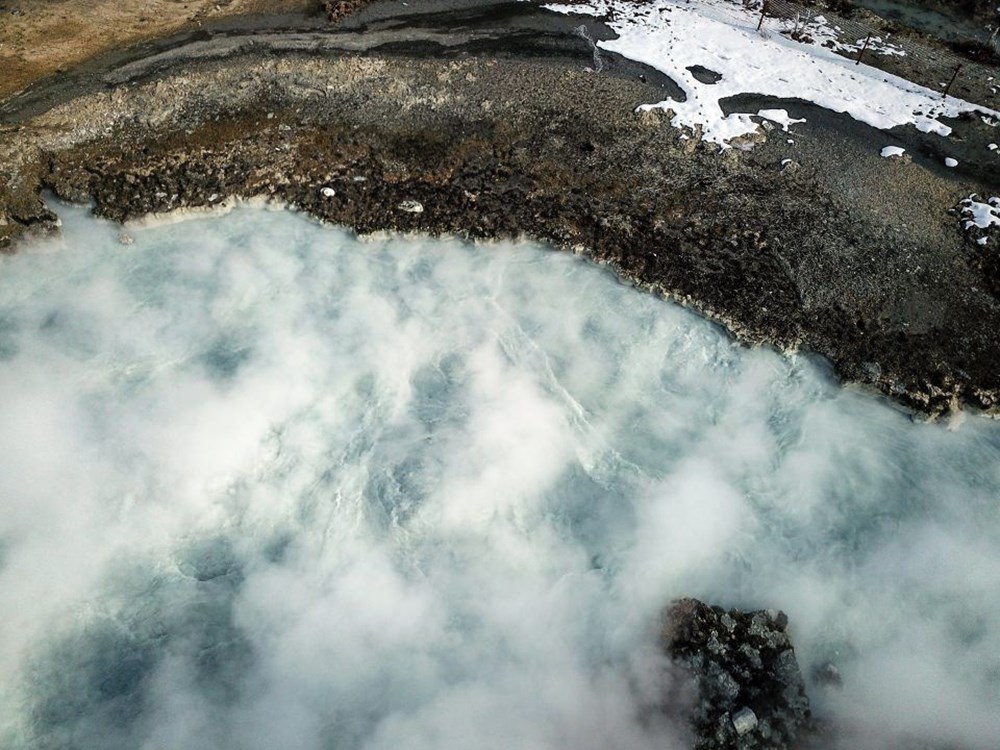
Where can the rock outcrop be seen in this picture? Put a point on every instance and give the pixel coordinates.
(750, 690)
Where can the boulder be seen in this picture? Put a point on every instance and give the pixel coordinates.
(750, 691)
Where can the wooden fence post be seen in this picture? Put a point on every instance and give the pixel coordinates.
(763, 12)
(953, 77)
(862, 52)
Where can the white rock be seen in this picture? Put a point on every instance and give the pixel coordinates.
(949, 162)
(744, 721)
(411, 207)
(328, 192)
(892, 151)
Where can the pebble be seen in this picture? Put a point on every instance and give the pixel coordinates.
(328, 192)
(411, 207)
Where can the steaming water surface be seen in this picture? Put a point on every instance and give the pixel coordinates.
(267, 486)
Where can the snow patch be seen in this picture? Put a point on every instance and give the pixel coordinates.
(980, 219)
(979, 214)
(673, 36)
(892, 151)
(933, 126)
(779, 116)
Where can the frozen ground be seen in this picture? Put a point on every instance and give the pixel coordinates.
(263, 485)
(674, 36)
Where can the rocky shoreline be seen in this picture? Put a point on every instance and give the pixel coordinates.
(496, 128)
(501, 131)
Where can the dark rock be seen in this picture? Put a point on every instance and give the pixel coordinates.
(704, 75)
(750, 690)
(827, 675)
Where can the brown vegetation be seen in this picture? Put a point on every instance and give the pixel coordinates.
(40, 38)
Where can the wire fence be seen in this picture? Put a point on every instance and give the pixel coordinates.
(895, 51)
(875, 42)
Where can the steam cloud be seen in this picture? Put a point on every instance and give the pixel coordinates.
(266, 486)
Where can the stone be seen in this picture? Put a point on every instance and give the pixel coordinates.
(411, 207)
(744, 720)
(750, 691)
(828, 675)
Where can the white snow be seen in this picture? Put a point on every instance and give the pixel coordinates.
(933, 126)
(979, 214)
(827, 34)
(671, 35)
(993, 147)
(949, 162)
(892, 151)
(328, 192)
(779, 116)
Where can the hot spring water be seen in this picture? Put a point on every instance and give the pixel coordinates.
(268, 486)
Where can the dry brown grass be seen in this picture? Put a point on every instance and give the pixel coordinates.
(39, 38)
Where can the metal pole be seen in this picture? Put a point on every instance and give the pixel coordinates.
(953, 77)
(763, 12)
(862, 52)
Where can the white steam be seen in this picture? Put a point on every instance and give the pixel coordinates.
(263, 485)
